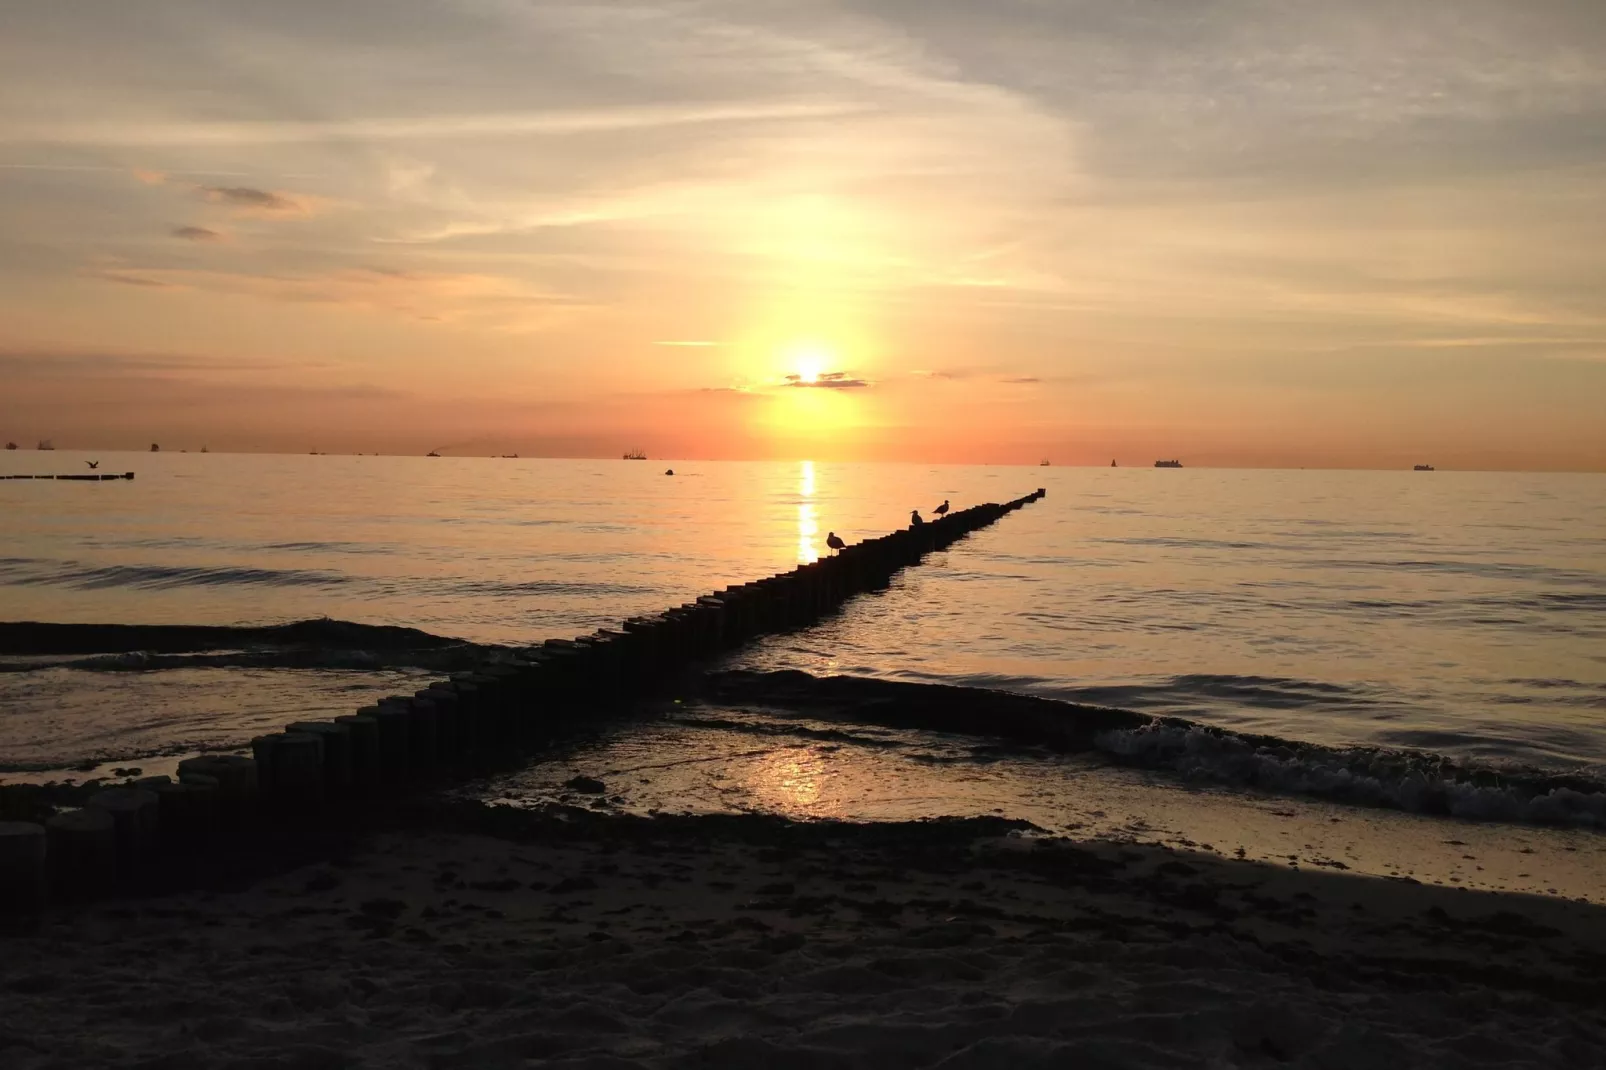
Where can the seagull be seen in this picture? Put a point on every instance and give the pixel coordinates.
(93, 464)
(832, 541)
(942, 510)
(914, 518)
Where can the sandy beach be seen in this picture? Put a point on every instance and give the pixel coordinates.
(466, 935)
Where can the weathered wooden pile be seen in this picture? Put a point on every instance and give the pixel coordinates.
(410, 742)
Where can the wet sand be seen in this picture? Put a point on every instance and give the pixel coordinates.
(465, 935)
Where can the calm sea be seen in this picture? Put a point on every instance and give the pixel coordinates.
(1461, 613)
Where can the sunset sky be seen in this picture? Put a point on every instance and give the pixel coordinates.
(1238, 232)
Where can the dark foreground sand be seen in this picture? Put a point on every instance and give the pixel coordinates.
(464, 936)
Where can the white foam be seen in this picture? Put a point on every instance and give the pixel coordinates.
(1375, 777)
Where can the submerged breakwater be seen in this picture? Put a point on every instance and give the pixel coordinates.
(514, 704)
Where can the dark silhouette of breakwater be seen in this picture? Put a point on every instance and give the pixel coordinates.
(316, 774)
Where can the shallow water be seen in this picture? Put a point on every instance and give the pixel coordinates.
(732, 759)
(1464, 613)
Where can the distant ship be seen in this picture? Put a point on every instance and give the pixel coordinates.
(1168, 464)
(46, 444)
(1422, 468)
(433, 453)
(11, 445)
(635, 455)
(1112, 462)
(155, 448)
(205, 450)
(1043, 463)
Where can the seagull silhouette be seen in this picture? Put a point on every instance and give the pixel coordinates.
(93, 464)
(942, 510)
(914, 518)
(832, 541)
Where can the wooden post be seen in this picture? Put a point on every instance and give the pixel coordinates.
(395, 759)
(176, 811)
(82, 851)
(236, 778)
(298, 771)
(136, 816)
(24, 879)
(204, 807)
(336, 754)
(364, 752)
(423, 742)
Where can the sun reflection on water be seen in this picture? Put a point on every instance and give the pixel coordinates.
(807, 523)
(788, 780)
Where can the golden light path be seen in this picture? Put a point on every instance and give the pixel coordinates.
(807, 525)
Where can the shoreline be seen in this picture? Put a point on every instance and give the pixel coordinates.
(821, 755)
(460, 934)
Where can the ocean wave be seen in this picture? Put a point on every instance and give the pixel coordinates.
(1403, 779)
(1417, 781)
(21, 572)
(117, 646)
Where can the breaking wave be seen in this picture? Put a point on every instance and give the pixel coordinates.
(1397, 778)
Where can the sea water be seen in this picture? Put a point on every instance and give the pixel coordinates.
(1458, 613)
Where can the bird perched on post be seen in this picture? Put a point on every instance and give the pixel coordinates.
(93, 464)
(914, 518)
(942, 510)
(832, 541)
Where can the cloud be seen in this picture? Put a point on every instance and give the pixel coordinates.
(541, 123)
(492, 301)
(251, 200)
(125, 279)
(197, 234)
(1022, 379)
(828, 381)
(150, 178)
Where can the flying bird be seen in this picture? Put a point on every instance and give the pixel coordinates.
(832, 541)
(93, 464)
(942, 510)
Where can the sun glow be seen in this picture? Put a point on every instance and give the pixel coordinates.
(809, 361)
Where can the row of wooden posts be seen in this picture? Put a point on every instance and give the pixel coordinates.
(454, 726)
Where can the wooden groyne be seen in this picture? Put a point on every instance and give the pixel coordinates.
(87, 477)
(313, 771)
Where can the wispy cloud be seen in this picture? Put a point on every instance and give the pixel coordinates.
(691, 344)
(123, 278)
(1022, 379)
(198, 234)
(492, 301)
(494, 124)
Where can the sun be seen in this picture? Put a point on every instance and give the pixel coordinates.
(809, 361)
